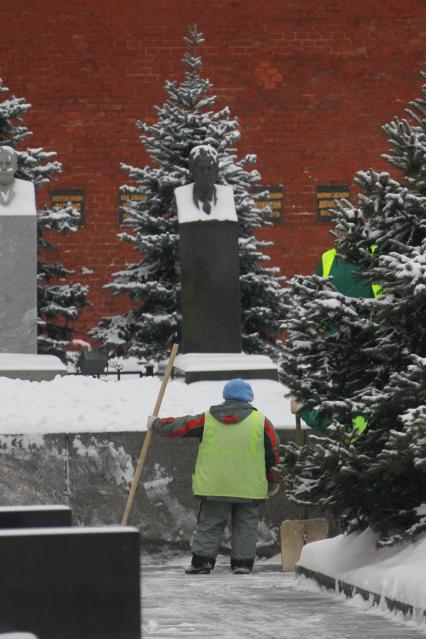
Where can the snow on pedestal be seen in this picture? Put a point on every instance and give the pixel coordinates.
(222, 210)
(199, 366)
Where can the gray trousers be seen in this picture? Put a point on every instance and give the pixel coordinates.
(212, 518)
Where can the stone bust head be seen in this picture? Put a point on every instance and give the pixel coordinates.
(8, 166)
(204, 169)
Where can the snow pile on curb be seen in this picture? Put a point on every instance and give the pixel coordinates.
(397, 572)
(85, 404)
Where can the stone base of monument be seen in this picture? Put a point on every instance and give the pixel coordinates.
(35, 516)
(196, 367)
(71, 582)
(34, 368)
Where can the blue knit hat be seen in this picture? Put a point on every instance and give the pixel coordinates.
(238, 389)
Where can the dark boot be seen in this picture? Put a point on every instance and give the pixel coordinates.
(200, 565)
(241, 566)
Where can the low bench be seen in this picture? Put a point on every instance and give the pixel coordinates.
(71, 583)
(39, 516)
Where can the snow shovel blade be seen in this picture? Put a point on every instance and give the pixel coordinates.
(295, 533)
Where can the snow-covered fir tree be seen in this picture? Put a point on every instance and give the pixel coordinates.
(349, 357)
(187, 119)
(58, 303)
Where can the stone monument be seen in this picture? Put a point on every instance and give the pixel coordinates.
(18, 282)
(210, 272)
(208, 249)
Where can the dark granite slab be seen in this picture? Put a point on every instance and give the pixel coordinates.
(18, 284)
(64, 583)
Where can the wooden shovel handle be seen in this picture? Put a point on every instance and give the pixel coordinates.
(148, 436)
(299, 432)
(299, 442)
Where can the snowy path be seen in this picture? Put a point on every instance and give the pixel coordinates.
(265, 604)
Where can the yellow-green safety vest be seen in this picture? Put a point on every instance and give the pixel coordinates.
(231, 459)
(360, 424)
(327, 263)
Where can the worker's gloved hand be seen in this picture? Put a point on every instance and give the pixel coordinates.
(273, 488)
(151, 418)
(295, 405)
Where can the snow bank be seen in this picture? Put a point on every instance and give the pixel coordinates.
(397, 572)
(86, 404)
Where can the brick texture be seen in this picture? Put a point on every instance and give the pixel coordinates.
(311, 82)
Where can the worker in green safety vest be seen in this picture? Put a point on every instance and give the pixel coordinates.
(320, 420)
(346, 284)
(233, 474)
(343, 276)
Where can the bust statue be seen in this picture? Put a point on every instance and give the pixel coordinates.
(203, 200)
(17, 196)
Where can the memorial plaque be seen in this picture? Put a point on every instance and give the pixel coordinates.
(124, 199)
(327, 198)
(274, 198)
(61, 198)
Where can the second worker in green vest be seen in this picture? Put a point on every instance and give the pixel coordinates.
(347, 280)
(233, 474)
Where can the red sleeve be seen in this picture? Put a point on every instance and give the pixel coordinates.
(272, 457)
(186, 426)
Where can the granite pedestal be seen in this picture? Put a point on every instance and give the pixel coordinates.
(18, 284)
(64, 583)
(210, 298)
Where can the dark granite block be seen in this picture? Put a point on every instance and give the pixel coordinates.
(64, 583)
(18, 284)
(34, 516)
(210, 270)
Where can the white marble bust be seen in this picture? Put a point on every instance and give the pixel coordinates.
(203, 200)
(17, 197)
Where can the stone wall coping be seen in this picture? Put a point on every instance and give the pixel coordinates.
(80, 530)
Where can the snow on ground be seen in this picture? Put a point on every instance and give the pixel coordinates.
(268, 604)
(397, 572)
(77, 403)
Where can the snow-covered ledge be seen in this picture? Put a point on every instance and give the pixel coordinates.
(392, 577)
(211, 366)
(31, 367)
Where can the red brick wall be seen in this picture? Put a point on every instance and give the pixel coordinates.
(311, 83)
